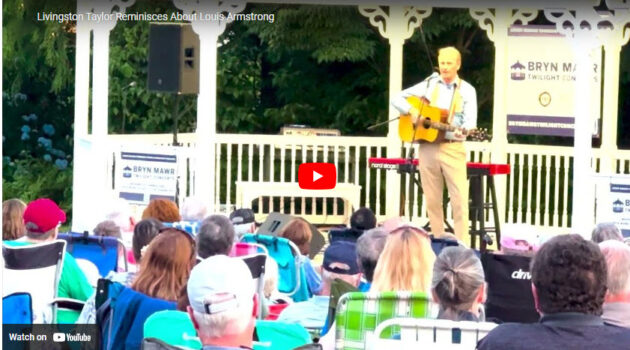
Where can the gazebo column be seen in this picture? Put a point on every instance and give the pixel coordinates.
(588, 30)
(209, 32)
(610, 106)
(396, 23)
(496, 23)
(90, 185)
(81, 182)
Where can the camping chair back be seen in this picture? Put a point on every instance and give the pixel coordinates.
(509, 293)
(256, 265)
(243, 248)
(100, 250)
(359, 313)
(429, 334)
(286, 254)
(172, 327)
(35, 269)
(17, 308)
(121, 313)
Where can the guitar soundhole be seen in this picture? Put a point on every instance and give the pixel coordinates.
(426, 123)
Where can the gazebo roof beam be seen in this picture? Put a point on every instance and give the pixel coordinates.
(530, 4)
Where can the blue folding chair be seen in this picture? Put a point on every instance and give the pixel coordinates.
(290, 280)
(100, 250)
(17, 308)
(121, 313)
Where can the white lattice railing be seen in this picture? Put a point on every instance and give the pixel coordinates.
(537, 191)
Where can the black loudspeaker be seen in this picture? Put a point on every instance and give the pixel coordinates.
(275, 222)
(173, 58)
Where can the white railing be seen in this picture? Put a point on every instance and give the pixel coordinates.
(537, 191)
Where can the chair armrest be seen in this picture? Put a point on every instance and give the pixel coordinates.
(69, 304)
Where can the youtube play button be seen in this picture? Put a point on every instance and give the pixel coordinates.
(317, 176)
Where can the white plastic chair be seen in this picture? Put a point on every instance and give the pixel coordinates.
(430, 334)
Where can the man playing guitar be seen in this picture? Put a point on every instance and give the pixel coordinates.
(444, 159)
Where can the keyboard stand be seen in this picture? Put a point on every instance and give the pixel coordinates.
(478, 207)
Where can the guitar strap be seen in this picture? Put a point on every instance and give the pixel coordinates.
(456, 99)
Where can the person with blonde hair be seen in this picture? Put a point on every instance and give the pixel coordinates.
(12, 220)
(458, 284)
(166, 265)
(406, 262)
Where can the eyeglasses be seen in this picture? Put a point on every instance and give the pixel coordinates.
(411, 228)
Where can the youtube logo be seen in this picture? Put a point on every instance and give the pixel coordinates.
(317, 176)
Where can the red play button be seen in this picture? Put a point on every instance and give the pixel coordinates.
(317, 176)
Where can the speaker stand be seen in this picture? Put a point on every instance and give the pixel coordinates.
(175, 118)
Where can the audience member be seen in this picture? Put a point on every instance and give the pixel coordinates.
(605, 231)
(519, 239)
(392, 223)
(617, 301)
(42, 218)
(299, 232)
(363, 219)
(458, 284)
(162, 209)
(223, 303)
(340, 261)
(215, 236)
(12, 220)
(244, 222)
(107, 228)
(569, 286)
(406, 262)
(119, 212)
(193, 211)
(165, 266)
(143, 233)
(369, 247)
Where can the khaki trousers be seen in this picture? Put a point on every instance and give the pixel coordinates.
(439, 162)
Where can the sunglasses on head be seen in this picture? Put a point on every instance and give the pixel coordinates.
(188, 235)
(411, 228)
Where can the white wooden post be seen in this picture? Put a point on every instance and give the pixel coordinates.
(80, 169)
(496, 23)
(208, 30)
(397, 25)
(587, 30)
(90, 185)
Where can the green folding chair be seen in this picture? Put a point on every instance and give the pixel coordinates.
(359, 313)
(172, 327)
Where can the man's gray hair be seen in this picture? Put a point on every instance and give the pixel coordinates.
(215, 236)
(229, 322)
(617, 256)
(193, 209)
(605, 231)
(369, 247)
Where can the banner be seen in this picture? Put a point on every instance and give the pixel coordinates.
(541, 83)
(613, 201)
(141, 176)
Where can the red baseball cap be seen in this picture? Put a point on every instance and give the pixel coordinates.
(43, 215)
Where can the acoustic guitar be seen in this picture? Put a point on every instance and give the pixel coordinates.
(431, 124)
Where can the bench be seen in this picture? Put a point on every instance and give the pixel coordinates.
(247, 191)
